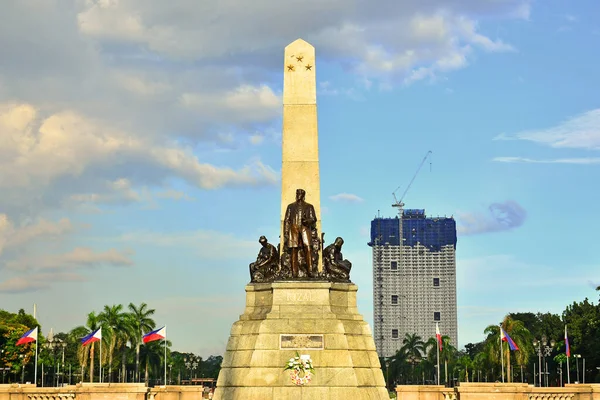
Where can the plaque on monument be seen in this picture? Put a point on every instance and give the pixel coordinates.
(301, 342)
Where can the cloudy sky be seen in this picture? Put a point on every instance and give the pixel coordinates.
(140, 148)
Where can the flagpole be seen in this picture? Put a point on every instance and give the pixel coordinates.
(100, 358)
(568, 355)
(438, 352)
(501, 353)
(438, 363)
(36, 346)
(36, 357)
(165, 356)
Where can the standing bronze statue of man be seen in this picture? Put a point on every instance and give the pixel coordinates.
(298, 226)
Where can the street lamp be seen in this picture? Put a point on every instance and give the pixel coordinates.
(52, 345)
(3, 369)
(191, 363)
(61, 345)
(22, 369)
(542, 348)
(577, 357)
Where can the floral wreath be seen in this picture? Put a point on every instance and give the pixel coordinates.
(302, 369)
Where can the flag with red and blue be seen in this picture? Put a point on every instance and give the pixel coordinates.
(506, 338)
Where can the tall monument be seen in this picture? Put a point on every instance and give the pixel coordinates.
(300, 336)
(300, 146)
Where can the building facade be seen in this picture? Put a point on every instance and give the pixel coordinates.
(414, 279)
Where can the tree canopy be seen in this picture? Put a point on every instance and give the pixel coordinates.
(124, 356)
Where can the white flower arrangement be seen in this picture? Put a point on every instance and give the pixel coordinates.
(302, 369)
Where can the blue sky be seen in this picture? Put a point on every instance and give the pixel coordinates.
(140, 149)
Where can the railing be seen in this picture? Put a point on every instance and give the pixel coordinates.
(516, 391)
(98, 392)
(551, 396)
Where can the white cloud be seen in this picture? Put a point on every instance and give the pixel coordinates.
(326, 88)
(35, 272)
(111, 87)
(96, 158)
(35, 282)
(77, 258)
(174, 195)
(256, 139)
(107, 102)
(5, 227)
(579, 132)
(204, 243)
(42, 227)
(570, 18)
(12, 237)
(347, 197)
(248, 103)
(580, 160)
(410, 32)
(136, 84)
(499, 217)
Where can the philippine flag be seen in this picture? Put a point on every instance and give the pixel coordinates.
(155, 335)
(28, 337)
(505, 338)
(95, 336)
(567, 347)
(438, 335)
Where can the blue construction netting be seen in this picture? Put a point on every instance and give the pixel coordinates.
(433, 233)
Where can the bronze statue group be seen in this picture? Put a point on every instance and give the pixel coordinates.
(301, 245)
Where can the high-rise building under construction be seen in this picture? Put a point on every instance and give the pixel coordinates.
(414, 278)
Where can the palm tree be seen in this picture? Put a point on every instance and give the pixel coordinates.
(430, 347)
(116, 322)
(396, 364)
(152, 356)
(413, 347)
(446, 355)
(518, 333)
(140, 322)
(85, 353)
(479, 362)
(426, 366)
(465, 363)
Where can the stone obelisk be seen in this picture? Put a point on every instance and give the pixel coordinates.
(300, 145)
(316, 319)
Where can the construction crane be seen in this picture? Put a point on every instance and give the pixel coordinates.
(400, 258)
(398, 203)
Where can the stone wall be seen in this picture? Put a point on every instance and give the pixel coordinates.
(498, 391)
(101, 391)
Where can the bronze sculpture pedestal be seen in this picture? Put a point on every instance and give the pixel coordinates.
(319, 319)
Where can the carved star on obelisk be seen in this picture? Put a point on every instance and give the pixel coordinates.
(290, 67)
(308, 67)
(299, 58)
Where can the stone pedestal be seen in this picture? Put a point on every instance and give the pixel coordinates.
(315, 318)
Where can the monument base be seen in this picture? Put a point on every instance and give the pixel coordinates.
(319, 319)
